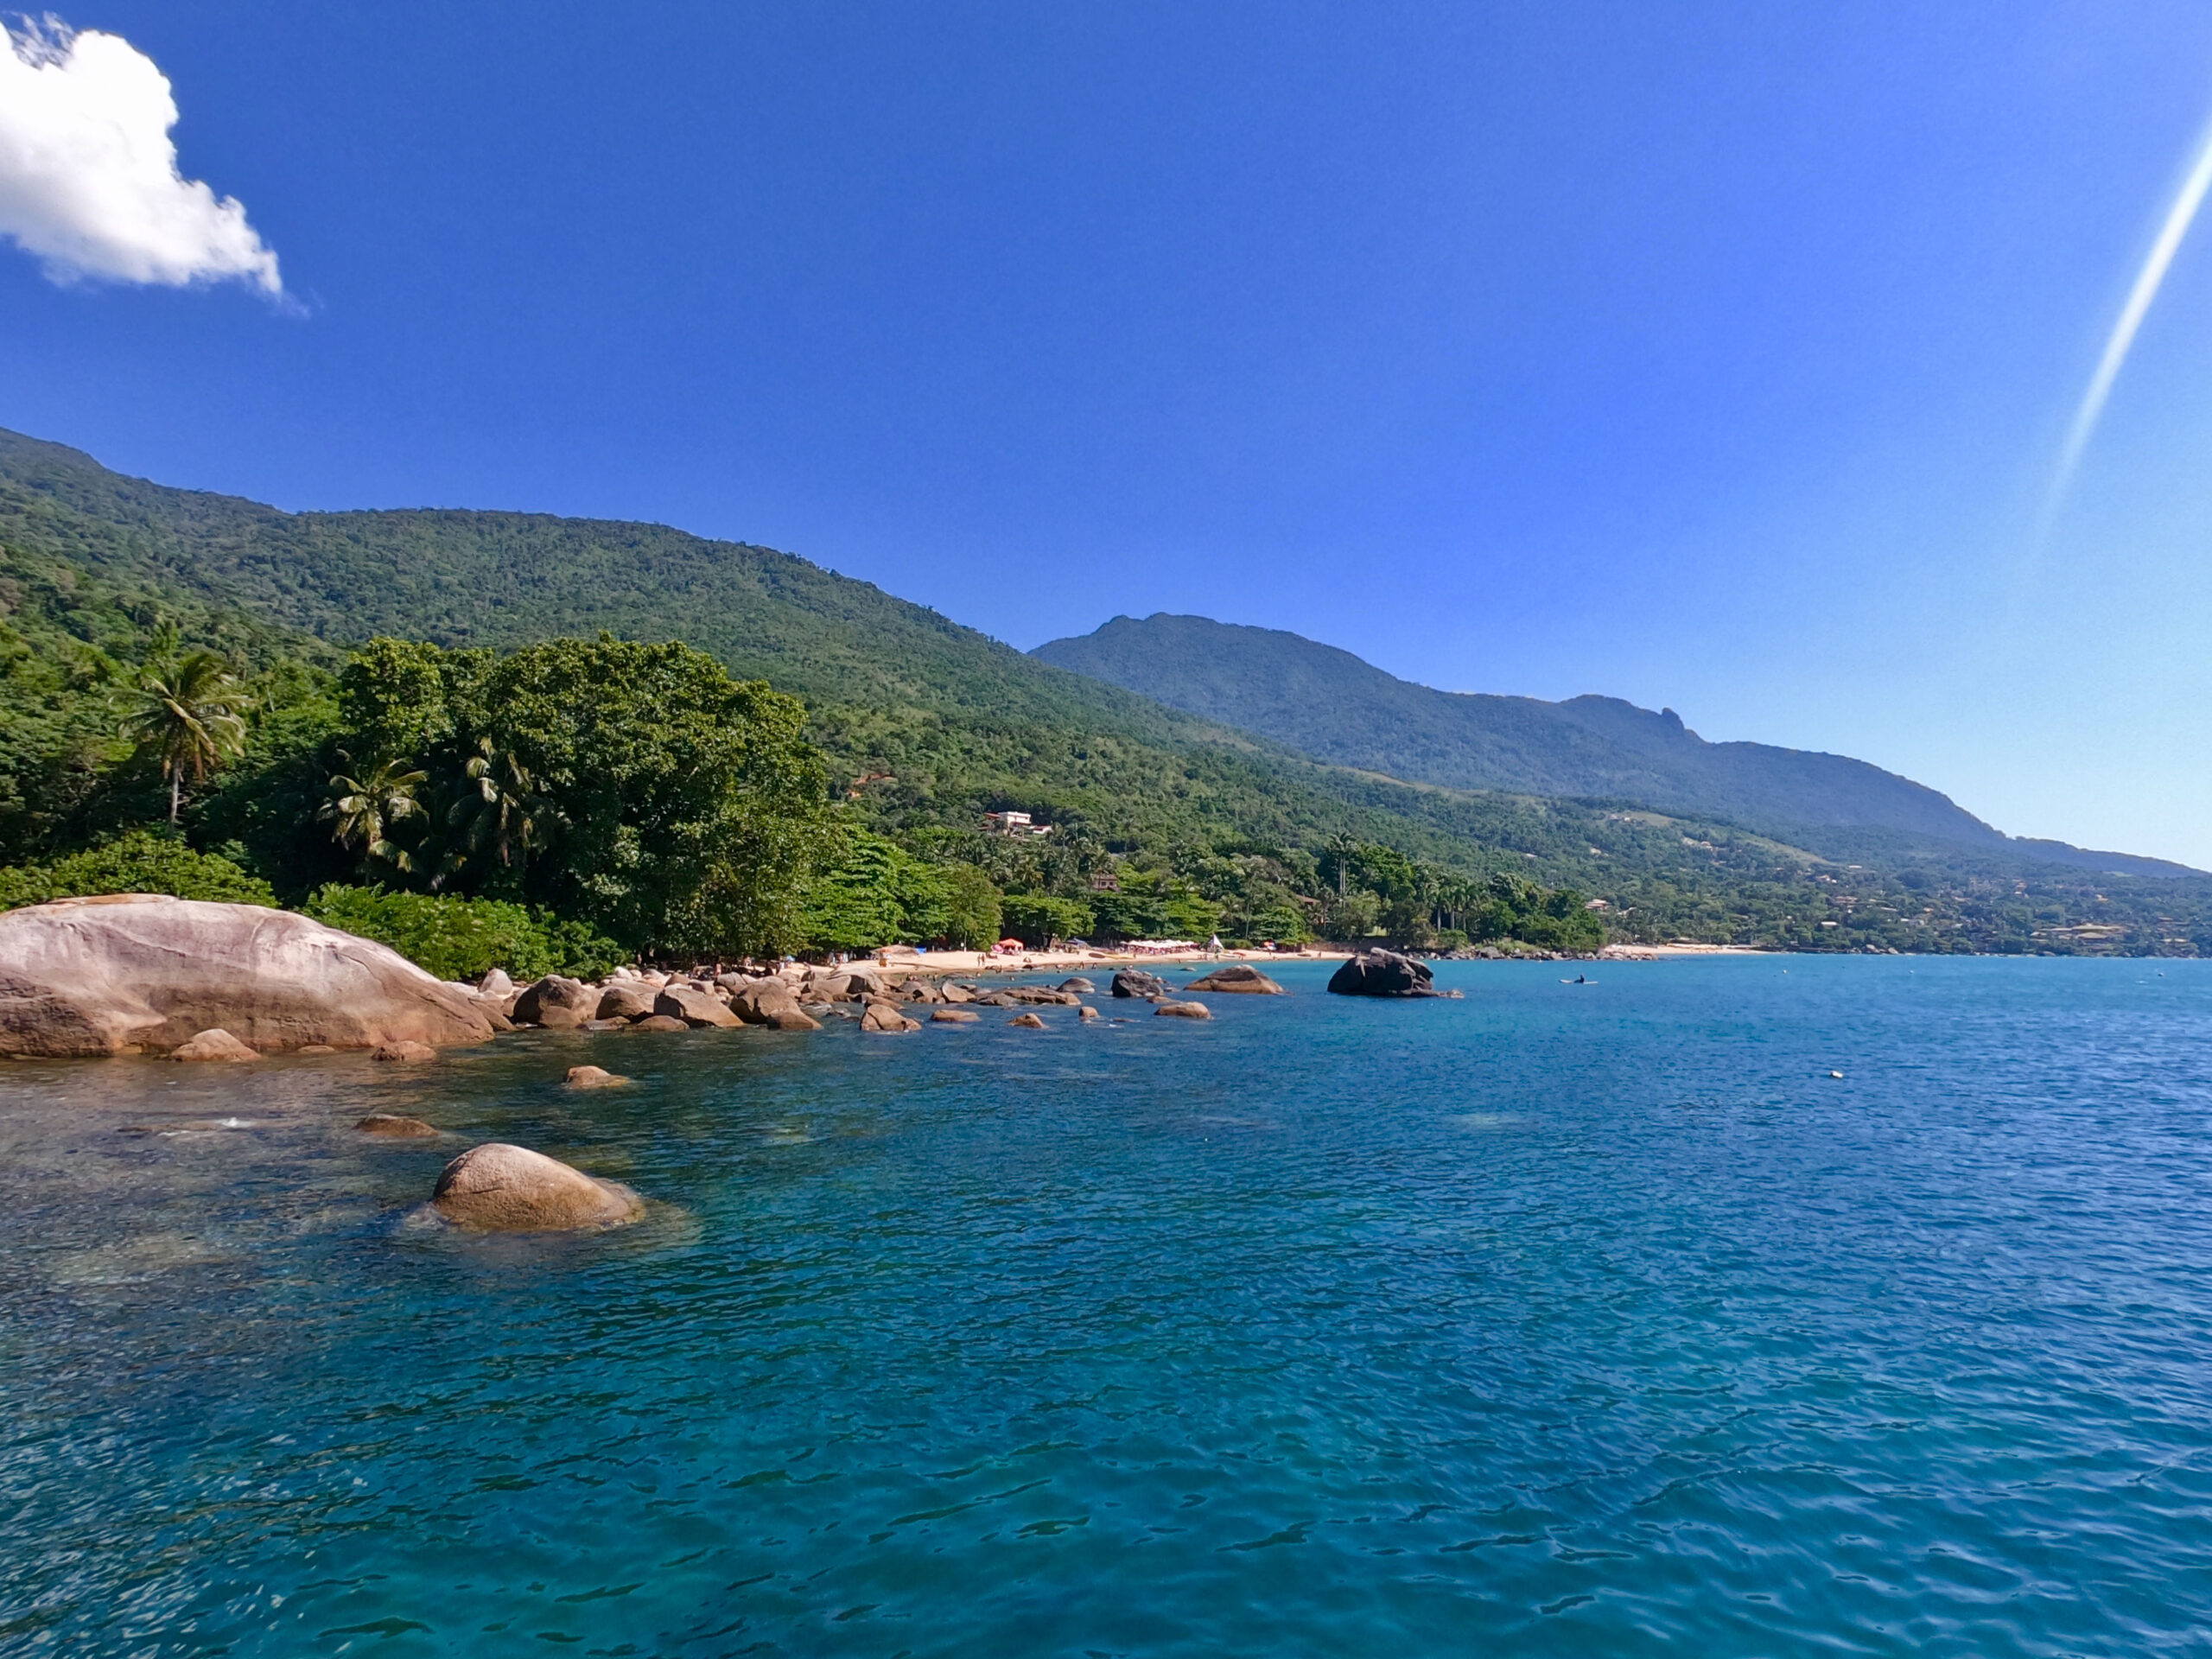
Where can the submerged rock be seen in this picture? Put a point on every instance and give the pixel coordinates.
(391, 1126)
(410, 1052)
(660, 1022)
(1028, 1021)
(593, 1076)
(1383, 973)
(501, 1188)
(1240, 978)
(954, 1016)
(216, 1045)
(131, 972)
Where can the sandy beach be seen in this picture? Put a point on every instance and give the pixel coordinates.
(903, 959)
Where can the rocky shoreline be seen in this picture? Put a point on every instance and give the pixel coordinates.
(220, 984)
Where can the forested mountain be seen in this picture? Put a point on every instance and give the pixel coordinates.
(1161, 817)
(1329, 704)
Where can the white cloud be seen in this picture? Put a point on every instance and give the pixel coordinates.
(88, 175)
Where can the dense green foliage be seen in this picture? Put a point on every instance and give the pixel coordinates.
(464, 938)
(563, 773)
(876, 893)
(138, 862)
(638, 788)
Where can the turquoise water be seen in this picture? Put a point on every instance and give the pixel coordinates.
(1555, 1321)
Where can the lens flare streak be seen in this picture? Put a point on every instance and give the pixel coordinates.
(2178, 218)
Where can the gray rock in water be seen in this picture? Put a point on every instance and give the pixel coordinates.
(506, 1189)
(1239, 978)
(1131, 982)
(556, 1002)
(695, 1006)
(1080, 984)
(624, 1000)
(216, 1045)
(1382, 972)
(132, 972)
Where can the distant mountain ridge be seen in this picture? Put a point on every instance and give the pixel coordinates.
(1331, 705)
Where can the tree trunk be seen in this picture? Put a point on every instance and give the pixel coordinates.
(176, 788)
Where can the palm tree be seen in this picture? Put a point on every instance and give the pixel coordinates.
(364, 808)
(496, 804)
(187, 713)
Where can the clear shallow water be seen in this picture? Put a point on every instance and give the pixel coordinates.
(1557, 1320)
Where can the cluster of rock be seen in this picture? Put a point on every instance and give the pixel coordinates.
(1492, 953)
(798, 997)
(142, 973)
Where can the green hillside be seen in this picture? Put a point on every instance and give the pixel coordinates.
(1329, 704)
(925, 724)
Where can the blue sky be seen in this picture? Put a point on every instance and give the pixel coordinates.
(1717, 356)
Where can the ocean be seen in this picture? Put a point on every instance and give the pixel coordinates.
(1589, 1320)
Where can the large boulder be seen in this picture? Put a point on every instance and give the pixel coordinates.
(1240, 978)
(557, 1003)
(1132, 981)
(497, 1188)
(764, 1003)
(1185, 1010)
(694, 1006)
(884, 1016)
(131, 972)
(625, 999)
(1383, 973)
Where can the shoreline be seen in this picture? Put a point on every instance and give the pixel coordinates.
(1040, 961)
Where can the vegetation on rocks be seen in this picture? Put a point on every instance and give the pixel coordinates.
(140, 861)
(465, 938)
